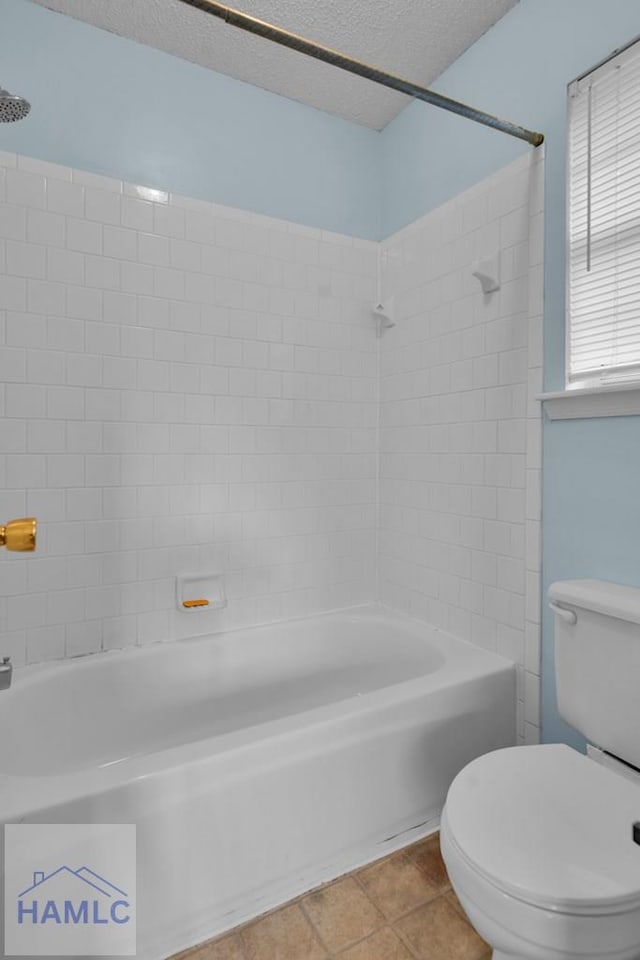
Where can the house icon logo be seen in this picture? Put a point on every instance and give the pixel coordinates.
(70, 890)
(79, 896)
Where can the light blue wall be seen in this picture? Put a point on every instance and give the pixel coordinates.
(113, 106)
(520, 70)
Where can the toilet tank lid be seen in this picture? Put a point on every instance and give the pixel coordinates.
(599, 596)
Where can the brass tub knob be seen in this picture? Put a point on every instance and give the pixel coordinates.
(19, 534)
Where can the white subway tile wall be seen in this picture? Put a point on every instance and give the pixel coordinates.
(188, 387)
(185, 387)
(460, 456)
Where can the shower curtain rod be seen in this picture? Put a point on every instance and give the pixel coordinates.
(336, 59)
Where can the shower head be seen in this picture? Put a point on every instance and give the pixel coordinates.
(12, 107)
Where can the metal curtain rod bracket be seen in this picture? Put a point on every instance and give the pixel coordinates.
(336, 59)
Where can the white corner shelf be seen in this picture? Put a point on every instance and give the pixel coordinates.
(617, 400)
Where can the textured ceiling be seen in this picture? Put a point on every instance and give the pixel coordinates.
(416, 39)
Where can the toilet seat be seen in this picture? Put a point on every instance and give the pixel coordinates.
(515, 928)
(549, 827)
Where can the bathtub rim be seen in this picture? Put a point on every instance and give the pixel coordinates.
(21, 794)
(28, 673)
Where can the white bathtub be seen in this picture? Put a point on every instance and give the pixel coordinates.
(256, 764)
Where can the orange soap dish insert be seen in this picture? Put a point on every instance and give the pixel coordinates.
(199, 592)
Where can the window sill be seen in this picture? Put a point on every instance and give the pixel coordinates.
(618, 400)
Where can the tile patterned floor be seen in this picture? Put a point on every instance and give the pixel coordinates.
(400, 908)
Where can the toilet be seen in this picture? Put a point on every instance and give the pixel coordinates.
(542, 843)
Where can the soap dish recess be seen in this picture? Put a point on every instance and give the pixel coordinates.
(198, 592)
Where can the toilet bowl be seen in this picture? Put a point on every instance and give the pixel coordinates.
(539, 841)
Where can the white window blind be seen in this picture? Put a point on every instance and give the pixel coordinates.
(603, 330)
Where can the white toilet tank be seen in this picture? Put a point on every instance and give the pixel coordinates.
(597, 657)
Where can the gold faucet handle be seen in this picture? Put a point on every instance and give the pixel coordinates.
(19, 534)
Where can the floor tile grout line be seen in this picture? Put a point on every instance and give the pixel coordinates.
(356, 943)
(486, 954)
(404, 939)
(369, 936)
(420, 867)
(241, 927)
(362, 939)
(314, 929)
(240, 942)
(388, 923)
(285, 906)
(406, 856)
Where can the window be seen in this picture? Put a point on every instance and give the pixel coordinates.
(603, 329)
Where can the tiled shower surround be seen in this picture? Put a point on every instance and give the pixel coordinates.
(192, 388)
(186, 388)
(459, 424)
